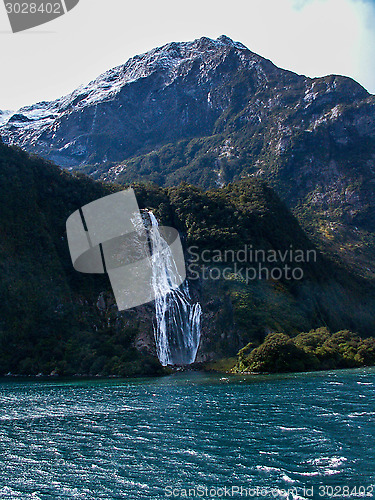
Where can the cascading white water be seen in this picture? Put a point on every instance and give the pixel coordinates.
(177, 328)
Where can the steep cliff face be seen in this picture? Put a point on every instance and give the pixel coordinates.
(54, 319)
(211, 111)
(226, 227)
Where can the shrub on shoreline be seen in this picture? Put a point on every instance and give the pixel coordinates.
(308, 351)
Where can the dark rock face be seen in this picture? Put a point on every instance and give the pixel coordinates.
(211, 111)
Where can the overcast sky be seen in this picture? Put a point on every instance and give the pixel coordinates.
(311, 37)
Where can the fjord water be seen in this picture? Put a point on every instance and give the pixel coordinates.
(131, 439)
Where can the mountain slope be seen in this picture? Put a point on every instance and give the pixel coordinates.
(49, 317)
(209, 112)
(54, 319)
(154, 98)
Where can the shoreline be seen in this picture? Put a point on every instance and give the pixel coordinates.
(172, 371)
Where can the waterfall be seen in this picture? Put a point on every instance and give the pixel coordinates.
(177, 327)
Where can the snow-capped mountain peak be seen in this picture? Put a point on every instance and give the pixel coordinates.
(179, 90)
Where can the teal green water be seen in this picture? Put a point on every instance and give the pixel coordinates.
(138, 439)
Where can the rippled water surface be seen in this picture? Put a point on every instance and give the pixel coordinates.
(138, 439)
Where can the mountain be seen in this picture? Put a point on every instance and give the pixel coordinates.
(210, 112)
(56, 320)
(167, 94)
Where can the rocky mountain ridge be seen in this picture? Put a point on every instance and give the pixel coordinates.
(188, 85)
(65, 129)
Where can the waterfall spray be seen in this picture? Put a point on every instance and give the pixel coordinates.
(177, 327)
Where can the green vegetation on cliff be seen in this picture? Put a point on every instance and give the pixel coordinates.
(54, 319)
(235, 311)
(49, 320)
